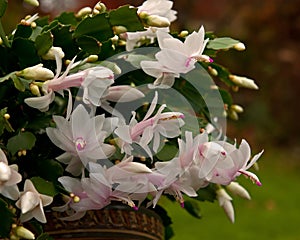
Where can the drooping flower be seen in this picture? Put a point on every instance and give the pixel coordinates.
(181, 173)
(150, 128)
(94, 81)
(82, 138)
(31, 203)
(222, 162)
(9, 177)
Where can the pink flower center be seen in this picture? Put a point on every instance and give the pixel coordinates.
(80, 143)
(188, 61)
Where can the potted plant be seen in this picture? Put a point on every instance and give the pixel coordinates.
(107, 106)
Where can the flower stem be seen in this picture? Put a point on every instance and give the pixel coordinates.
(3, 36)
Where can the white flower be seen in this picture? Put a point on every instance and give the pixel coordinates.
(161, 8)
(82, 137)
(222, 162)
(95, 82)
(9, 177)
(175, 57)
(142, 133)
(31, 203)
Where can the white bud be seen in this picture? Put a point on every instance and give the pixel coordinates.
(35, 90)
(183, 33)
(53, 51)
(24, 233)
(243, 82)
(100, 7)
(155, 20)
(34, 3)
(225, 202)
(237, 189)
(92, 58)
(119, 29)
(135, 167)
(6, 116)
(123, 93)
(212, 71)
(237, 108)
(5, 172)
(83, 12)
(239, 46)
(37, 72)
(233, 114)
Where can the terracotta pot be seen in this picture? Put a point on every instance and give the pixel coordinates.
(112, 222)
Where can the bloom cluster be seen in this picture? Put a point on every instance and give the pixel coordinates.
(107, 121)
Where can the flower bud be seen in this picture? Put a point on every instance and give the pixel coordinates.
(204, 58)
(154, 20)
(183, 33)
(35, 89)
(23, 233)
(5, 172)
(13, 237)
(37, 72)
(225, 202)
(33, 25)
(100, 7)
(237, 108)
(83, 12)
(212, 71)
(123, 93)
(6, 116)
(243, 82)
(34, 3)
(237, 189)
(233, 114)
(119, 29)
(239, 46)
(53, 51)
(95, 11)
(135, 167)
(92, 58)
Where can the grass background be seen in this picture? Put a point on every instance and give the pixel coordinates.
(273, 213)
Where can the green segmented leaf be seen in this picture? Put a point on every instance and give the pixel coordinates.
(222, 43)
(3, 6)
(24, 140)
(126, 16)
(97, 27)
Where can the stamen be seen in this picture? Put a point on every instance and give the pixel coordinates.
(80, 143)
(172, 117)
(251, 176)
(188, 61)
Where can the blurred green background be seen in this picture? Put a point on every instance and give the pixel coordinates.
(271, 31)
